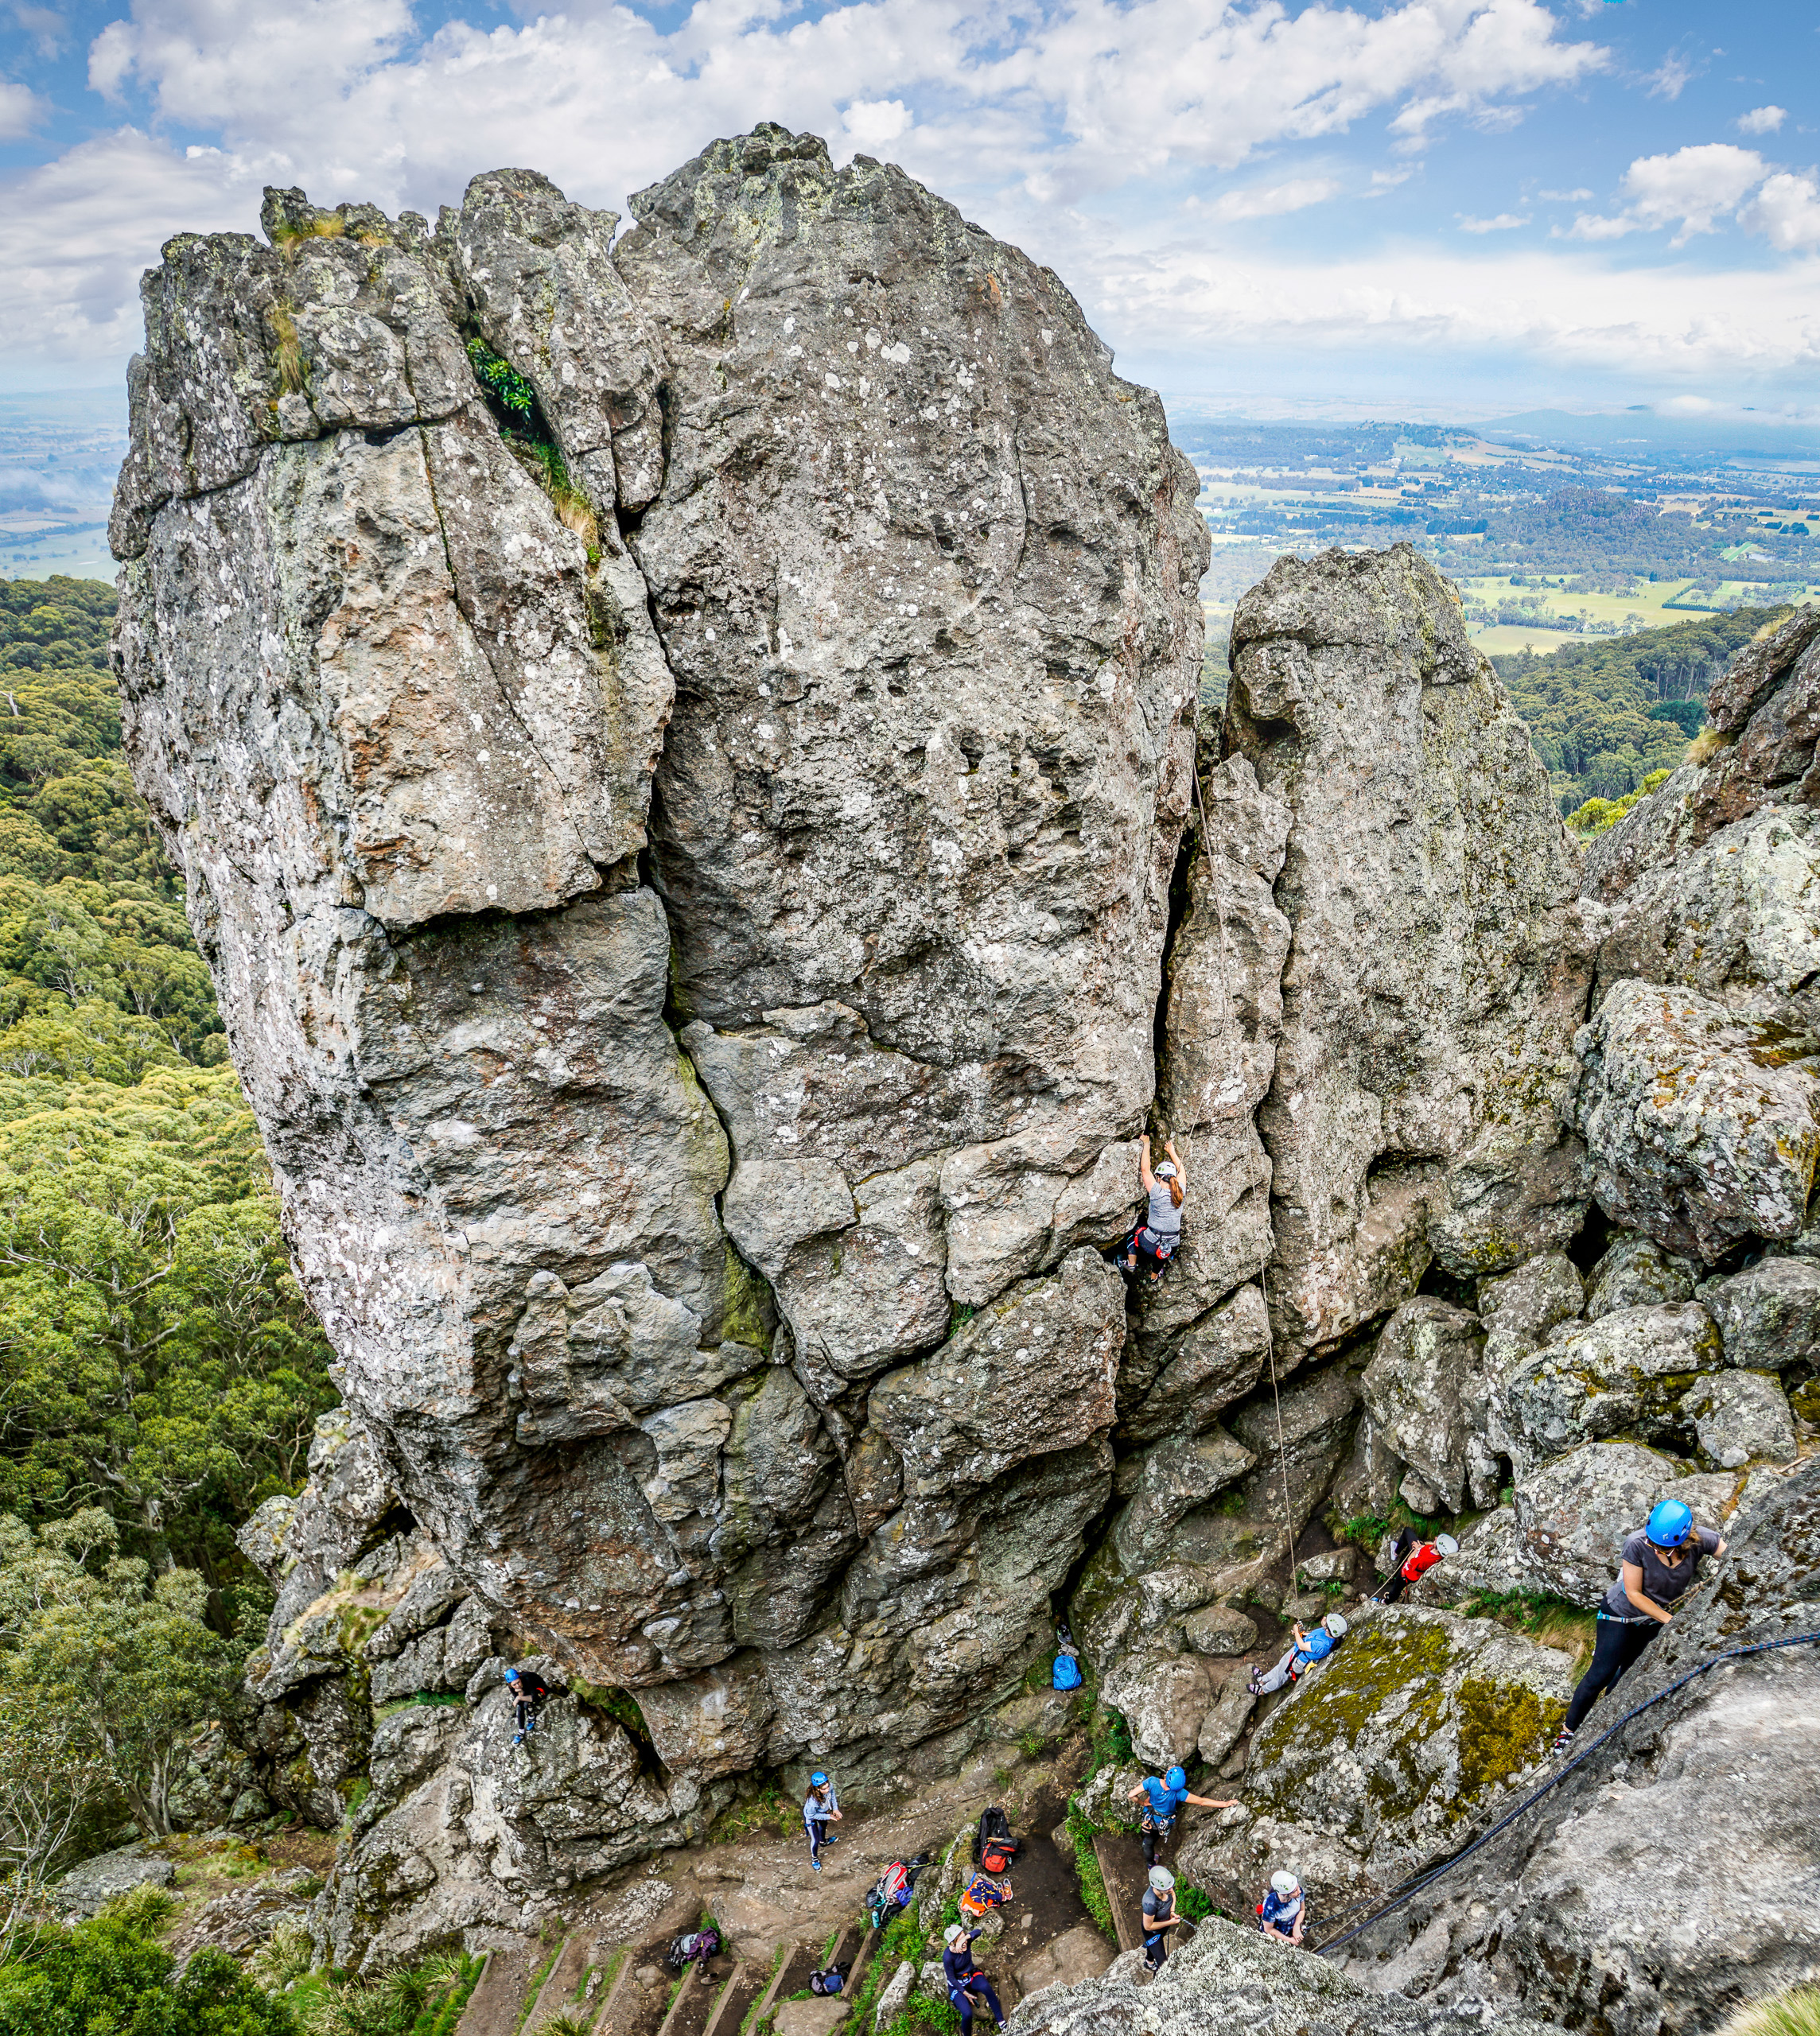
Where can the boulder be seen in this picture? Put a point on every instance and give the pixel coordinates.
(1519, 1309)
(1163, 1482)
(814, 2017)
(1081, 1953)
(1616, 1906)
(1701, 1130)
(1739, 1417)
(85, 1888)
(1227, 1978)
(1492, 1558)
(1224, 1725)
(1769, 1314)
(1217, 1360)
(1625, 1372)
(1220, 1630)
(1163, 1700)
(1428, 1390)
(1636, 1271)
(1412, 1733)
(1573, 1511)
(1438, 960)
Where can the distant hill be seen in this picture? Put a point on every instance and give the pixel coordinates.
(1605, 713)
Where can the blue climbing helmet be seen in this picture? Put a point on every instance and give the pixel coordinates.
(818, 1780)
(511, 1675)
(1175, 1779)
(1670, 1523)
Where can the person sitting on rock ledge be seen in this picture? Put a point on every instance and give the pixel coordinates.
(1660, 1565)
(528, 1692)
(966, 1984)
(1284, 1911)
(1305, 1651)
(1156, 1239)
(1409, 1559)
(1163, 1800)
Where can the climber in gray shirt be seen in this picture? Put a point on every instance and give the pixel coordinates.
(1155, 1241)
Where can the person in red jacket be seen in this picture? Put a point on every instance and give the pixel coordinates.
(1409, 1559)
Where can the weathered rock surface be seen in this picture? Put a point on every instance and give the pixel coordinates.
(1739, 1417)
(1229, 1978)
(1701, 1128)
(1386, 1756)
(1769, 1315)
(1618, 1906)
(1626, 1372)
(1427, 1388)
(1433, 978)
(85, 1888)
(1636, 1271)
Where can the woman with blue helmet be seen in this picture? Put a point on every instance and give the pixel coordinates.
(1660, 1565)
(1163, 1799)
(820, 1809)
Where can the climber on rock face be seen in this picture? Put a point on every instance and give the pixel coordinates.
(1163, 1797)
(1305, 1651)
(1156, 1240)
(820, 1809)
(1661, 1564)
(1159, 1917)
(1284, 1909)
(528, 1692)
(1409, 1559)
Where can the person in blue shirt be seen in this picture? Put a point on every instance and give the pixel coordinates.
(1305, 1651)
(1162, 1798)
(1284, 1911)
(820, 1809)
(967, 1985)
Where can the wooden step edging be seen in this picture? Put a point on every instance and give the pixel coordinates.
(781, 1956)
(729, 1994)
(1129, 1937)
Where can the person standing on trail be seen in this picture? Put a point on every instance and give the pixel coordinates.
(1156, 1240)
(1410, 1558)
(1163, 1797)
(966, 1984)
(1284, 1911)
(1160, 1917)
(1305, 1649)
(1659, 1565)
(820, 1809)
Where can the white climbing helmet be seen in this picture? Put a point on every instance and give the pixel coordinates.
(1336, 1625)
(956, 1936)
(1165, 1172)
(1286, 1883)
(1445, 1544)
(1161, 1879)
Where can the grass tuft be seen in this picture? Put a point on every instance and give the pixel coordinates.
(1794, 2013)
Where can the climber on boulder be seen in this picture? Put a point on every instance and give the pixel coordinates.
(1156, 1239)
(1284, 1909)
(1410, 1558)
(1660, 1565)
(1305, 1651)
(1163, 1797)
(820, 1809)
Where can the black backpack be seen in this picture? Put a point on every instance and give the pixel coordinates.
(531, 1689)
(830, 1982)
(993, 1835)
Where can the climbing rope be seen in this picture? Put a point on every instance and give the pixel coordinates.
(1427, 1879)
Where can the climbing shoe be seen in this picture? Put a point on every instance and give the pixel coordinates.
(816, 1864)
(1563, 1741)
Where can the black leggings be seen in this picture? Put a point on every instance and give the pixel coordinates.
(1617, 1643)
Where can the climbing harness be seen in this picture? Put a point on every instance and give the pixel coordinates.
(1427, 1879)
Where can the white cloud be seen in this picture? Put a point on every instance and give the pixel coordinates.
(1786, 211)
(1762, 120)
(1262, 202)
(1501, 222)
(1566, 197)
(45, 25)
(20, 111)
(1670, 79)
(1694, 187)
(871, 123)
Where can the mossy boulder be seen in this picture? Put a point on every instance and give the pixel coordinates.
(1625, 1374)
(1386, 1756)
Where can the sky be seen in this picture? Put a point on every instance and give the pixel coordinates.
(1441, 207)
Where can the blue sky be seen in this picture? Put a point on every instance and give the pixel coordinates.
(1439, 207)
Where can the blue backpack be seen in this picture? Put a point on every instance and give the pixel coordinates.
(1068, 1675)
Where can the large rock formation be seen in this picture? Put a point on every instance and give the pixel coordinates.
(686, 886)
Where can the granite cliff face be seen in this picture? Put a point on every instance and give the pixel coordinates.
(702, 893)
